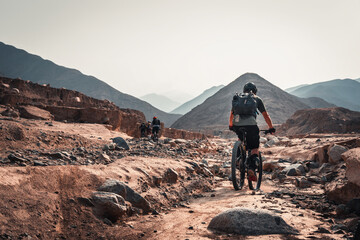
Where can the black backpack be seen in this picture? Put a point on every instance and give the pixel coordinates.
(244, 104)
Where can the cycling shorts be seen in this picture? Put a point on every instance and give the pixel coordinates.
(252, 134)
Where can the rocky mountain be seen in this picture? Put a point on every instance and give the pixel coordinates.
(186, 107)
(160, 101)
(316, 102)
(294, 88)
(324, 120)
(17, 63)
(214, 112)
(342, 93)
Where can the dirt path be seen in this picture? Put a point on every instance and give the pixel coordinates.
(190, 221)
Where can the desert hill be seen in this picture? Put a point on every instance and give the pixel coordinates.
(16, 63)
(215, 111)
(323, 120)
(316, 102)
(342, 93)
(186, 107)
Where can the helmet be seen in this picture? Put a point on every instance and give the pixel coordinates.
(154, 117)
(250, 87)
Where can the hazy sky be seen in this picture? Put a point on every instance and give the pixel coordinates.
(147, 46)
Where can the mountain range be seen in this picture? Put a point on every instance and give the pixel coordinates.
(186, 107)
(341, 92)
(159, 101)
(17, 63)
(213, 113)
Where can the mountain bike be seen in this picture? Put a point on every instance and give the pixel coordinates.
(240, 164)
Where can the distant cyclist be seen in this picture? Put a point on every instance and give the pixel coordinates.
(243, 116)
(155, 126)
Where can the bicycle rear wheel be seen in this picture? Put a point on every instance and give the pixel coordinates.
(258, 172)
(237, 166)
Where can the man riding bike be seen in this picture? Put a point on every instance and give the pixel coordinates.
(155, 126)
(243, 117)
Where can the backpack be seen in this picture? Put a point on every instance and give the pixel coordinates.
(244, 104)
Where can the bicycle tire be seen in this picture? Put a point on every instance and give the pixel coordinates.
(258, 173)
(237, 166)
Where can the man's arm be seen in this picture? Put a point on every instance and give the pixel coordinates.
(231, 120)
(267, 119)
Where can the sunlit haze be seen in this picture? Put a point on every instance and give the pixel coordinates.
(154, 46)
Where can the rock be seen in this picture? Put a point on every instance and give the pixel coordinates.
(335, 152)
(324, 168)
(263, 140)
(171, 176)
(15, 91)
(270, 166)
(109, 205)
(314, 179)
(10, 112)
(104, 157)
(322, 154)
(294, 170)
(32, 112)
(302, 183)
(313, 165)
(354, 206)
(342, 192)
(246, 221)
(157, 180)
(120, 142)
(322, 230)
(352, 160)
(351, 224)
(127, 193)
(179, 141)
(37, 163)
(342, 210)
(77, 99)
(357, 231)
(57, 155)
(173, 144)
(273, 141)
(14, 158)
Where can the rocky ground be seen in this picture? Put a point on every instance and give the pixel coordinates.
(83, 181)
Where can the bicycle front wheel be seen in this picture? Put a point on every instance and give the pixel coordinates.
(237, 166)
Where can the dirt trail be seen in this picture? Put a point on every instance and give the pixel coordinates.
(191, 221)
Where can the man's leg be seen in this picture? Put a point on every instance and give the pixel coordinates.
(253, 142)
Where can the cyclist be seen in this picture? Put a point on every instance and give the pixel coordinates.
(155, 126)
(248, 122)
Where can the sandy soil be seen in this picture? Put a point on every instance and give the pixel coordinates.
(43, 202)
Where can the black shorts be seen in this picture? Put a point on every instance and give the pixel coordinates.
(252, 134)
(155, 129)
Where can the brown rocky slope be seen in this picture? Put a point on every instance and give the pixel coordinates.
(35, 101)
(324, 120)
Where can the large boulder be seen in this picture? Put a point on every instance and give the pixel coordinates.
(127, 193)
(352, 160)
(335, 152)
(109, 205)
(246, 221)
(342, 191)
(120, 142)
